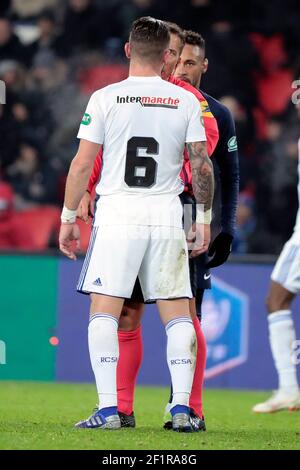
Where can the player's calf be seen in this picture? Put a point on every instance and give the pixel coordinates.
(181, 358)
(282, 336)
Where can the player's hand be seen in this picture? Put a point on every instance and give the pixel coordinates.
(220, 249)
(85, 209)
(198, 239)
(69, 236)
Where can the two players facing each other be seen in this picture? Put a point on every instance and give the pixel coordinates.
(143, 125)
(218, 130)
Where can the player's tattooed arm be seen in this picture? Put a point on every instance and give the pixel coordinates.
(202, 174)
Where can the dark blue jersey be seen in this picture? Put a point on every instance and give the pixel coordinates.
(226, 164)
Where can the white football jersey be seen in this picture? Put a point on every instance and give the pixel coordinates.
(143, 124)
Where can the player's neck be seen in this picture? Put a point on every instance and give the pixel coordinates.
(139, 70)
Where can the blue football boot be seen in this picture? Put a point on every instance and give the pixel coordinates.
(182, 421)
(106, 418)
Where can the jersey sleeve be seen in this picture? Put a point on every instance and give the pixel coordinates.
(195, 130)
(210, 125)
(92, 124)
(95, 176)
(227, 159)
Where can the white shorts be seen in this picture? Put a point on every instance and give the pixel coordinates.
(287, 268)
(118, 254)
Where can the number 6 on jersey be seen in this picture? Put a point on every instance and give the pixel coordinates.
(141, 171)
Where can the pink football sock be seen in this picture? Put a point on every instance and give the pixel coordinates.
(130, 359)
(196, 394)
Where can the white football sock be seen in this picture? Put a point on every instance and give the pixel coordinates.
(104, 354)
(181, 357)
(282, 335)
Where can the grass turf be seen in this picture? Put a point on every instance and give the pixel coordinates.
(42, 415)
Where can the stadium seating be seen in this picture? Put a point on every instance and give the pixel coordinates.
(274, 91)
(98, 77)
(43, 225)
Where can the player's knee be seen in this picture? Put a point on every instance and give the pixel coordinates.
(271, 303)
(193, 308)
(129, 320)
(274, 303)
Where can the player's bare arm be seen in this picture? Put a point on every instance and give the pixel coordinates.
(77, 181)
(203, 188)
(79, 173)
(202, 174)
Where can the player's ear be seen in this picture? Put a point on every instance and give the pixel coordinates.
(127, 50)
(166, 56)
(205, 65)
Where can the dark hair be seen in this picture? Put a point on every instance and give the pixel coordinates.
(175, 29)
(149, 38)
(194, 39)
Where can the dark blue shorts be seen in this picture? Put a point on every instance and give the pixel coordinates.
(199, 274)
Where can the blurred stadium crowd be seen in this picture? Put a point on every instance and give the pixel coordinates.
(54, 53)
